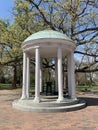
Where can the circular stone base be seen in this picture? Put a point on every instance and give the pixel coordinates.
(49, 105)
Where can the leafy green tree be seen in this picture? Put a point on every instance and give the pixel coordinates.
(77, 18)
(10, 47)
(12, 36)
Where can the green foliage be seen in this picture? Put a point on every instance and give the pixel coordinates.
(77, 18)
(86, 88)
(6, 86)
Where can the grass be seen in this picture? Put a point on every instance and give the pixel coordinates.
(78, 88)
(6, 86)
(86, 88)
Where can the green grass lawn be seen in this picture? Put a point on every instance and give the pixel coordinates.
(6, 86)
(78, 88)
(86, 88)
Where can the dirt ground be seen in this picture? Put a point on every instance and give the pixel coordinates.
(12, 119)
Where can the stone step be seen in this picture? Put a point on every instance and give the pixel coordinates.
(28, 107)
(49, 103)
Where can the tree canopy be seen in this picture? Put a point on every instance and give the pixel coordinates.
(76, 18)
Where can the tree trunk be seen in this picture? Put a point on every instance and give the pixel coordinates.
(14, 84)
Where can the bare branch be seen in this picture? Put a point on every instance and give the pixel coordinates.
(93, 55)
(42, 14)
(85, 30)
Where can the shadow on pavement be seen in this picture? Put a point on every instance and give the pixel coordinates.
(91, 101)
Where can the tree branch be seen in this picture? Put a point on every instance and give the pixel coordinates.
(93, 55)
(85, 30)
(42, 14)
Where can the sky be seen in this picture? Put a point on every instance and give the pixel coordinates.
(5, 9)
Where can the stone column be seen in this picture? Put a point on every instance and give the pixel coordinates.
(56, 76)
(24, 76)
(71, 76)
(41, 77)
(37, 75)
(28, 77)
(60, 78)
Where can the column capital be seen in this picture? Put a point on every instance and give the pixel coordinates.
(37, 47)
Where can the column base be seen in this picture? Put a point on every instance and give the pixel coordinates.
(28, 96)
(73, 97)
(36, 100)
(23, 97)
(60, 99)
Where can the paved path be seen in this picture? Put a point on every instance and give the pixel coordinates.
(12, 119)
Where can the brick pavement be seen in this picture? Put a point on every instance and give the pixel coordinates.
(12, 119)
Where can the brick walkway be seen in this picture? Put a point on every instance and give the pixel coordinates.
(12, 119)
